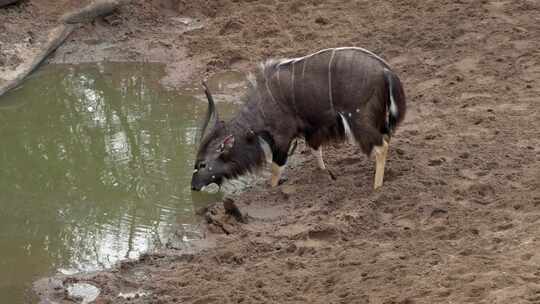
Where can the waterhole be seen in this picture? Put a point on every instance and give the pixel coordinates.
(95, 167)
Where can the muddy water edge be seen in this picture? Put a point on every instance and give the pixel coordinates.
(95, 168)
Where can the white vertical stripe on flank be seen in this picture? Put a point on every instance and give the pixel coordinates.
(280, 95)
(303, 68)
(293, 91)
(330, 80)
(269, 91)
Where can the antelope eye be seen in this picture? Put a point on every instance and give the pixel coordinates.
(202, 165)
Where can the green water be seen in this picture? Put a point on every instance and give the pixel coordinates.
(95, 165)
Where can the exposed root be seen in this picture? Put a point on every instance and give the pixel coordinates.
(55, 38)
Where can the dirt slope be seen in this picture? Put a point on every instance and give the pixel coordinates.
(458, 219)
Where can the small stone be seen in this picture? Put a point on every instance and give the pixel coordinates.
(438, 212)
(435, 162)
(321, 20)
(464, 155)
(84, 292)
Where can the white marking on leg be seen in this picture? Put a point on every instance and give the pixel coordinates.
(348, 133)
(266, 149)
(380, 160)
(276, 174)
(318, 155)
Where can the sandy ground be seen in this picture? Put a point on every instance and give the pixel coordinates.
(458, 219)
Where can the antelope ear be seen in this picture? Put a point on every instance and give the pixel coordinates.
(227, 144)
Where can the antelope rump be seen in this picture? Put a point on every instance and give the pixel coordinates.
(339, 94)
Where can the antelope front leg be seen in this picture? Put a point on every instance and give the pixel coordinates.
(380, 159)
(279, 161)
(276, 174)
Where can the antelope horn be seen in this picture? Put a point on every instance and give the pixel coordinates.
(211, 115)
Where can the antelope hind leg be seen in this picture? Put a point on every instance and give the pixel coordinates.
(320, 162)
(318, 155)
(276, 174)
(380, 158)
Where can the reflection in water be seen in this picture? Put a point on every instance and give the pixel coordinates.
(95, 163)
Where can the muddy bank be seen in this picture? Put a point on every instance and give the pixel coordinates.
(458, 218)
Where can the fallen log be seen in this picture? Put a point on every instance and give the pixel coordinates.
(55, 37)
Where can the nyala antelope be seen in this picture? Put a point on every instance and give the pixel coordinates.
(339, 94)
